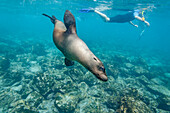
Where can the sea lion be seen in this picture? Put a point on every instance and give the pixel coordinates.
(74, 49)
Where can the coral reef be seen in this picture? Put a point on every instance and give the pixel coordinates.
(36, 80)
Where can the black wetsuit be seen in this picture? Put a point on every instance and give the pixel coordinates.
(122, 18)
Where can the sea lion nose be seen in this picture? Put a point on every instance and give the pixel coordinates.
(103, 77)
(67, 12)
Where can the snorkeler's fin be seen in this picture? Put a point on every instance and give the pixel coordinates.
(68, 62)
(53, 18)
(86, 10)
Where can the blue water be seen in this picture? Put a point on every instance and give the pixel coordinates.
(22, 27)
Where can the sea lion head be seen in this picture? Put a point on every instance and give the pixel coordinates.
(98, 69)
(69, 19)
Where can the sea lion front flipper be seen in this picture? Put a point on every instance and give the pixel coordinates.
(68, 62)
(70, 22)
(53, 18)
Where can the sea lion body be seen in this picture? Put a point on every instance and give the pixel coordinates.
(74, 49)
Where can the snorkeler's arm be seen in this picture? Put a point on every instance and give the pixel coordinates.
(139, 18)
(147, 23)
(102, 15)
(133, 24)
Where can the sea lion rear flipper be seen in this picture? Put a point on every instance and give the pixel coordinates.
(53, 18)
(68, 62)
(70, 22)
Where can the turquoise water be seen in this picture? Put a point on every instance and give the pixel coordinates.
(34, 78)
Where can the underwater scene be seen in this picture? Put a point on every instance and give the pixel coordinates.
(104, 56)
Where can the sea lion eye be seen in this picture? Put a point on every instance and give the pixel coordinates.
(95, 58)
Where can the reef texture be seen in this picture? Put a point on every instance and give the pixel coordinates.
(34, 79)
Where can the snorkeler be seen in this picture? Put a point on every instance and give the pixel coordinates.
(129, 17)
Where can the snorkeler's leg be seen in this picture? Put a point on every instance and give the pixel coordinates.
(133, 24)
(102, 15)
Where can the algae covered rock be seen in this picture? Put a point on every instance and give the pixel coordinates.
(64, 86)
(143, 80)
(42, 83)
(75, 74)
(113, 102)
(34, 99)
(35, 68)
(157, 81)
(10, 78)
(139, 61)
(129, 101)
(132, 102)
(83, 88)
(20, 106)
(95, 91)
(67, 102)
(139, 70)
(12, 102)
(91, 105)
(112, 71)
(89, 79)
(7, 97)
(129, 65)
(17, 88)
(47, 106)
(131, 105)
(159, 89)
(26, 90)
